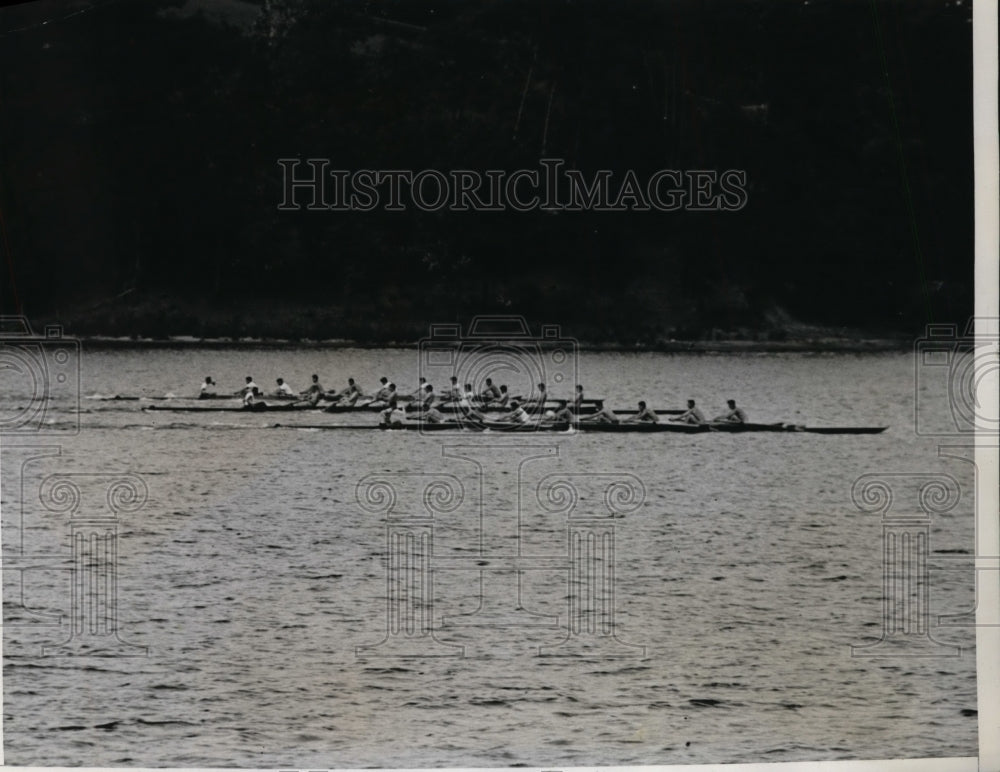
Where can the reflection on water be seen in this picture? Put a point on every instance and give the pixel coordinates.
(252, 575)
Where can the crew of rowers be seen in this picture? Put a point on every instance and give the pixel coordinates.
(252, 395)
(426, 402)
(466, 400)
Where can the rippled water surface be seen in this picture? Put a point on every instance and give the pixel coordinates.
(252, 576)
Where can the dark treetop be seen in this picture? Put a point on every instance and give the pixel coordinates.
(139, 182)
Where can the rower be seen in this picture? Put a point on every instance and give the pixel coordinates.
(283, 390)
(542, 394)
(382, 394)
(387, 396)
(491, 391)
(516, 415)
(603, 415)
(454, 392)
(418, 392)
(314, 392)
(735, 415)
(503, 399)
(578, 398)
(394, 416)
(252, 399)
(465, 406)
(426, 399)
(392, 403)
(644, 415)
(563, 414)
(470, 395)
(247, 388)
(351, 394)
(690, 416)
(432, 415)
(207, 389)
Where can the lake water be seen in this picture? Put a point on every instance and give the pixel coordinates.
(255, 580)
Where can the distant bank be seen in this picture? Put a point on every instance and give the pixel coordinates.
(172, 322)
(821, 345)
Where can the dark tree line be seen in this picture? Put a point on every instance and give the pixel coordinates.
(139, 183)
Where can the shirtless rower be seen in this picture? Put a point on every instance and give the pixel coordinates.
(692, 415)
(207, 388)
(562, 415)
(314, 393)
(735, 415)
(604, 415)
(645, 415)
(283, 389)
(502, 400)
(491, 392)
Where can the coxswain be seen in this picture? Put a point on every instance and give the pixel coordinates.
(315, 391)
(207, 388)
(283, 389)
(603, 415)
(543, 395)
(735, 415)
(644, 414)
(690, 416)
(491, 392)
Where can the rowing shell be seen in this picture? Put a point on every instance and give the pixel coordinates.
(260, 407)
(446, 409)
(641, 428)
